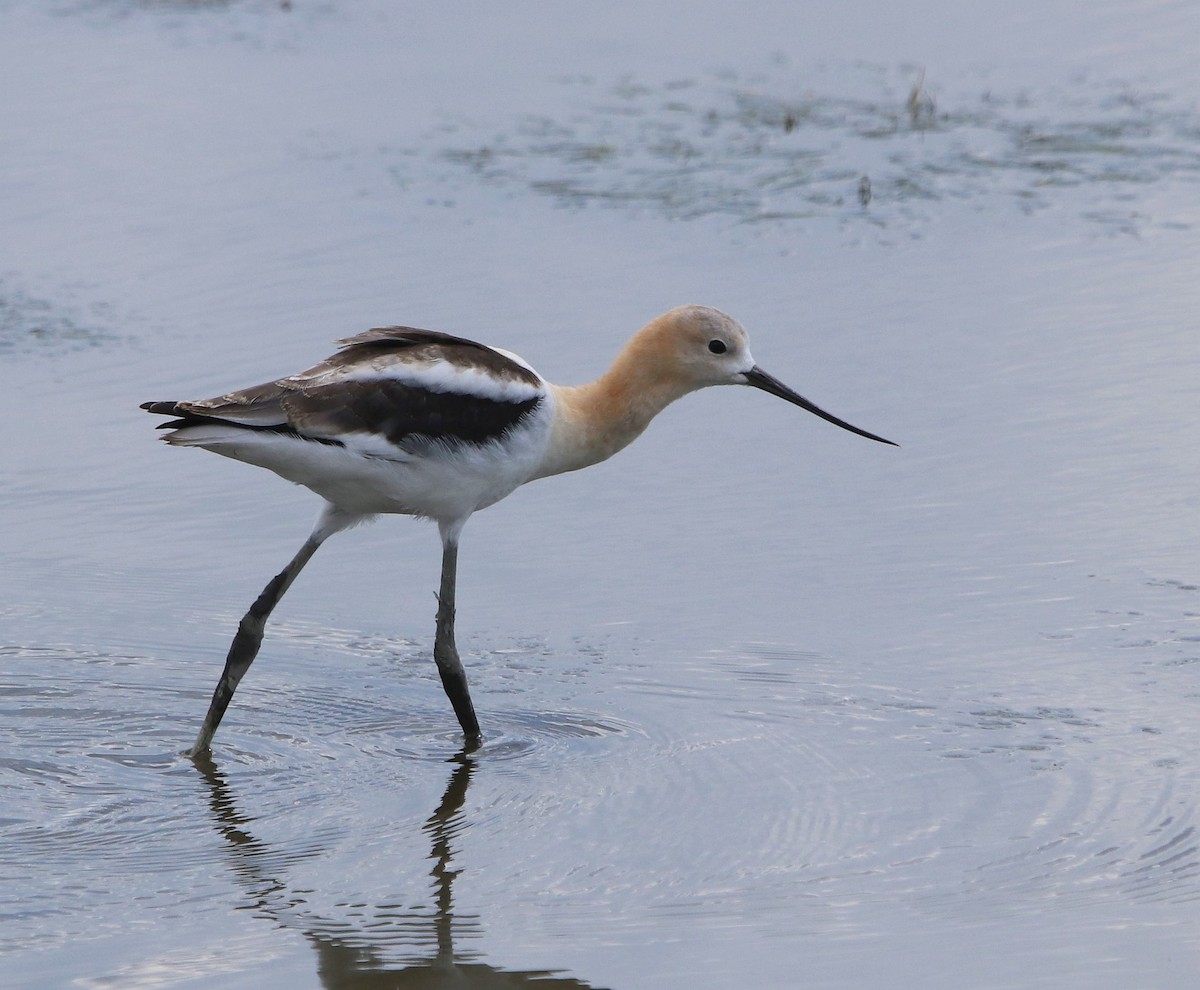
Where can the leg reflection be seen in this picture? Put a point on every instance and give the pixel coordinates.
(391, 949)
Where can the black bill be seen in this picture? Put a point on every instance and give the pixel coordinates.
(768, 383)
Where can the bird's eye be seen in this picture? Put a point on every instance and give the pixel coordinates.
(717, 346)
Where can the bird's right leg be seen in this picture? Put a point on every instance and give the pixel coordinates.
(249, 636)
(445, 652)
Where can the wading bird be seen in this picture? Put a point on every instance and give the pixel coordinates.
(421, 423)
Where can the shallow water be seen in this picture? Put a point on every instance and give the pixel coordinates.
(766, 704)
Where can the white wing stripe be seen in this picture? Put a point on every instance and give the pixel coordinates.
(436, 376)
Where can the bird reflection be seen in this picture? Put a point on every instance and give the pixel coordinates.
(345, 960)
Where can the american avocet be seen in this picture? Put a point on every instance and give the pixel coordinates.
(424, 424)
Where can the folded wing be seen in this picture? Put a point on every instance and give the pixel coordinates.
(400, 384)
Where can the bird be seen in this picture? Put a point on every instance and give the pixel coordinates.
(422, 423)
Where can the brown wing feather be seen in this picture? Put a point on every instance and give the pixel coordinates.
(326, 401)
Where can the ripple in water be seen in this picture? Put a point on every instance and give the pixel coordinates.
(765, 787)
(102, 811)
(33, 324)
(773, 149)
(809, 775)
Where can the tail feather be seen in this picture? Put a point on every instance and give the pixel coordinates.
(195, 429)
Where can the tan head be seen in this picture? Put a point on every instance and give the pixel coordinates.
(693, 347)
(699, 345)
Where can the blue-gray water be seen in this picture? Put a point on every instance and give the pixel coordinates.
(767, 704)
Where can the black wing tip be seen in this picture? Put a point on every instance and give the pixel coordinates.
(184, 418)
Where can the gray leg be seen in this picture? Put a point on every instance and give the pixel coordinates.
(445, 653)
(249, 636)
(245, 644)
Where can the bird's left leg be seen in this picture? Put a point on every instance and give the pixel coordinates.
(249, 636)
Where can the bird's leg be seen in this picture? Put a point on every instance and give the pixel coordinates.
(245, 644)
(244, 647)
(445, 653)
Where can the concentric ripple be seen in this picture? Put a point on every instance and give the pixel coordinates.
(764, 786)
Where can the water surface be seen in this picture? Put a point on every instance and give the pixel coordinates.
(766, 705)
